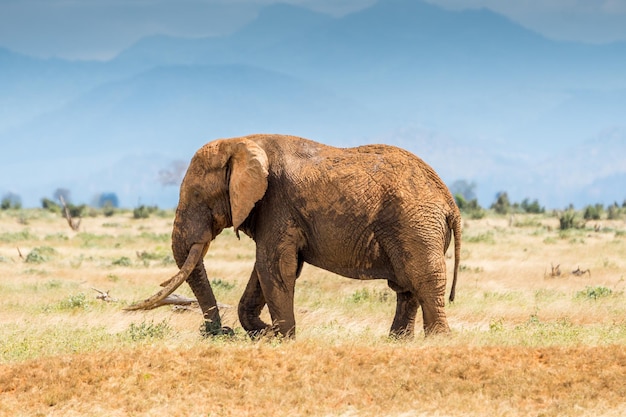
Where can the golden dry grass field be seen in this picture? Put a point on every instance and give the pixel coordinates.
(523, 342)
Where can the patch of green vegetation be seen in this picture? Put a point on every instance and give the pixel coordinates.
(168, 260)
(148, 256)
(73, 302)
(486, 237)
(475, 270)
(156, 237)
(502, 296)
(24, 235)
(40, 255)
(123, 261)
(527, 222)
(365, 295)
(143, 212)
(218, 283)
(569, 220)
(91, 240)
(593, 293)
(56, 237)
(544, 295)
(147, 331)
(24, 341)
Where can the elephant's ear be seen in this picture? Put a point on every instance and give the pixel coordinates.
(248, 179)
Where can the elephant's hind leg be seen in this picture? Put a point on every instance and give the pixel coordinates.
(403, 326)
(250, 305)
(431, 296)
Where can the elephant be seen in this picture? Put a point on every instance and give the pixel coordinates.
(368, 212)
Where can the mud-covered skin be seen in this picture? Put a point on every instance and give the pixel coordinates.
(372, 212)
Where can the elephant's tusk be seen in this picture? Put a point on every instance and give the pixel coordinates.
(194, 256)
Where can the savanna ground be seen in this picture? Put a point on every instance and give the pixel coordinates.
(523, 342)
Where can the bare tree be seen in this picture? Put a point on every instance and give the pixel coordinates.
(73, 222)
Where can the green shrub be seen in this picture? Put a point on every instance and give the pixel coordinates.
(123, 261)
(40, 255)
(143, 212)
(74, 302)
(593, 212)
(569, 220)
(366, 295)
(502, 205)
(470, 208)
(532, 207)
(148, 331)
(50, 205)
(219, 283)
(593, 293)
(614, 212)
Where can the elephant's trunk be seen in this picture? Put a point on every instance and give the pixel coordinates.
(191, 262)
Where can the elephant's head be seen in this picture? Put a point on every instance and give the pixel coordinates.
(224, 181)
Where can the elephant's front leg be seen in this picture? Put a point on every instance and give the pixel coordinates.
(250, 306)
(403, 325)
(277, 276)
(206, 299)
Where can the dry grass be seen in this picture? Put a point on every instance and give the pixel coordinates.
(523, 342)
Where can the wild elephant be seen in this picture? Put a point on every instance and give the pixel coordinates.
(370, 212)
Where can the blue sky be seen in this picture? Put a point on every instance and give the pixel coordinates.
(99, 29)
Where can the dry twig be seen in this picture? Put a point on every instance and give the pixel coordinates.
(104, 296)
(578, 272)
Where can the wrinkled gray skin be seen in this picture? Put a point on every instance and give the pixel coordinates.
(372, 212)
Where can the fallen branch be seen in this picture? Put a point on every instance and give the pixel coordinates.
(104, 296)
(554, 272)
(578, 272)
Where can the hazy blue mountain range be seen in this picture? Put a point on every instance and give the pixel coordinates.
(473, 93)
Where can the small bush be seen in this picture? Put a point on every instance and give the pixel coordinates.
(74, 302)
(532, 207)
(40, 255)
(365, 295)
(50, 205)
(502, 205)
(593, 293)
(593, 212)
(569, 220)
(123, 261)
(143, 212)
(11, 201)
(148, 331)
(219, 283)
(470, 208)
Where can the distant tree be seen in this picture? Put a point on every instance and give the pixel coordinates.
(107, 200)
(614, 212)
(464, 188)
(593, 212)
(143, 212)
(531, 207)
(470, 208)
(62, 193)
(11, 201)
(50, 205)
(502, 205)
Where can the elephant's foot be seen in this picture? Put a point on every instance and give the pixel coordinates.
(401, 334)
(210, 328)
(438, 327)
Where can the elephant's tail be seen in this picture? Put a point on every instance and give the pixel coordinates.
(454, 222)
